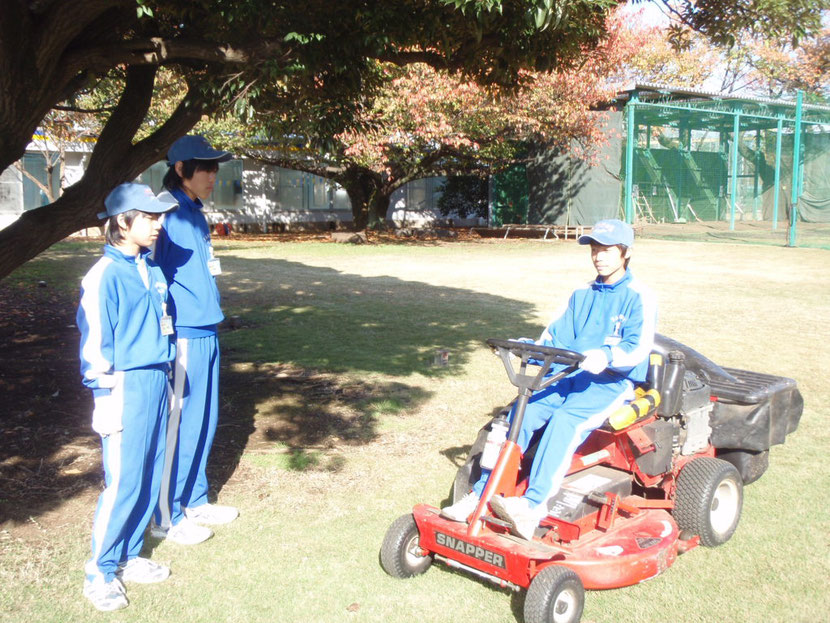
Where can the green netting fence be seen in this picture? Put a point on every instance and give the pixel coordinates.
(509, 197)
(705, 159)
(686, 157)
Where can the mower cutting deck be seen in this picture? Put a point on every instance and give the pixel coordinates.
(636, 495)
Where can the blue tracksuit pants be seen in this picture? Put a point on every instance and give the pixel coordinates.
(571, 409)
(193, 419)
(133, 460)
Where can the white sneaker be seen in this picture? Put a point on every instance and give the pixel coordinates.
(516, 510)
(461, 509)
(142, 571)
(184, 533)
(211, 514)
(106, 596)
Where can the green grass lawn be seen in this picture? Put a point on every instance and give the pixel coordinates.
(383, 428)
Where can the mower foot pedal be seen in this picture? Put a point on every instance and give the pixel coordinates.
(495, 521)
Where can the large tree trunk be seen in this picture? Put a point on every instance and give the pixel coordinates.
(114, 160)
(379, 207)
(362, 186)
(37, 230)
(39, 61)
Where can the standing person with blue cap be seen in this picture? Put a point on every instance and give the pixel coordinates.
(126, 349)
(185, 254)
(611, 321)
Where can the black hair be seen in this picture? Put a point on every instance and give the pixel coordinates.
(172, 180)
(623, 250)
(112, 230)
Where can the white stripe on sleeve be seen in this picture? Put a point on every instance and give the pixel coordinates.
(91, 302)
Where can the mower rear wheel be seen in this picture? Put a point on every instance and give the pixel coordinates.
(708, 500)
(401, 555)
(750, 465)
(556, 595)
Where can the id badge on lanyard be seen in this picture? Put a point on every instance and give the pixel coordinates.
(213, 265)
(166, 321)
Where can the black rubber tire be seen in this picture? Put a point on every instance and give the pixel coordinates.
(708, 500)
(556, 595)
(397, 554)
(750, 465)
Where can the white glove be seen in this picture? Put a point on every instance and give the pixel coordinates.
(595, 361)
(106, 414)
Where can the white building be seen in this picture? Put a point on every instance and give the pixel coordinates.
(248, 194)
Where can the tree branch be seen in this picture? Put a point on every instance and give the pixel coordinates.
(19, 166)
(307, 166)
(83, 110)
(115, 139)
(157, 51)
(187, 114)
(63, 22)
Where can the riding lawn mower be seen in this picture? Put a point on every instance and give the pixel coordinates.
(663, 475)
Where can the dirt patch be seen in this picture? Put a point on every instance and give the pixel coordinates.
(47, 451)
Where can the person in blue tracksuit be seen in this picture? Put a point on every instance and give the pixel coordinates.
(185, 254)
(611, 321)
(126, 349)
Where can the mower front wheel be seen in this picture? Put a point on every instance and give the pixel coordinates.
(709, 499)
(556, 595)
(400, 554)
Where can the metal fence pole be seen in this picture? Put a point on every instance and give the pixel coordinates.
(631, 136)
(778, 138)
(796, 163)
(736, 129)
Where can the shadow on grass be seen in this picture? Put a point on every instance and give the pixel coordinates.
(298, 329)
(294, 328)
(300, 414)
(323, 318)
(48, 452)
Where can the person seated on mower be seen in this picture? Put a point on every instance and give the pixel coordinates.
(611, 321)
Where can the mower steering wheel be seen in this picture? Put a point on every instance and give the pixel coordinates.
(535, 354)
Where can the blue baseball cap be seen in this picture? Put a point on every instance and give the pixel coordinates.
(135, 197)
(195, 147)
(609, 232)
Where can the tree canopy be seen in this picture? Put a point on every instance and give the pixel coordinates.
(723, 21)
(229, 53)
(426, 122)
(322, 55)
(755, 64)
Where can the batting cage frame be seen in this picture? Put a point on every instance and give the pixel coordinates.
(682, 162)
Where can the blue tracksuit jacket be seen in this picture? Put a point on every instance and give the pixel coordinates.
(619, 319)
(119, 318)
(183, 250)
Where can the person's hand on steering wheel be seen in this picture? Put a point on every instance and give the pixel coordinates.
(595, 361)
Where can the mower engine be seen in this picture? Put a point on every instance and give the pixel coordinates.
(694, 416)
